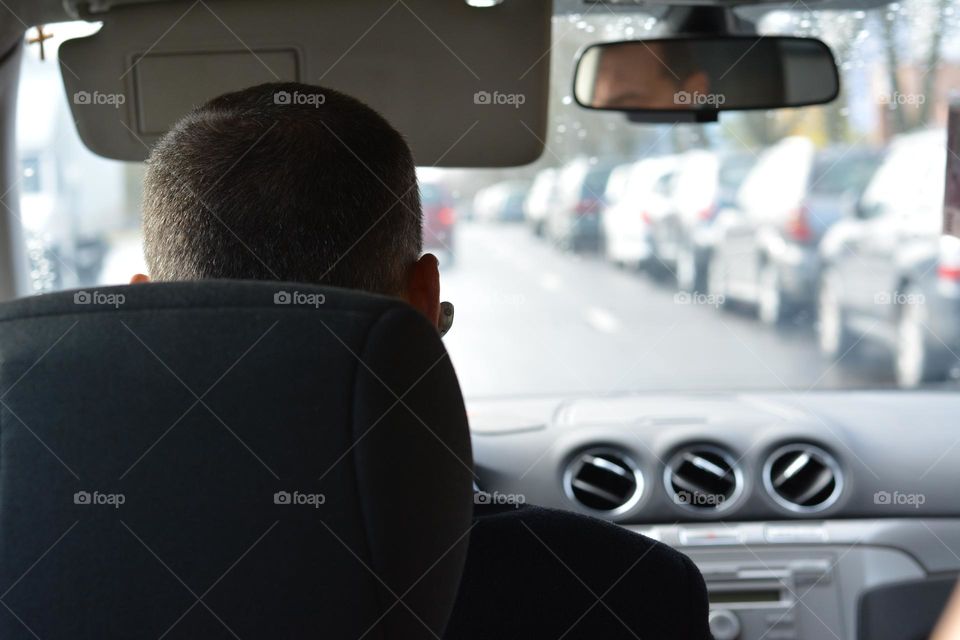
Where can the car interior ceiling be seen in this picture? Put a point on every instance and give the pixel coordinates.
(705, 260)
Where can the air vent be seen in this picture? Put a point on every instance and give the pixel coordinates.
(604, 480)
(802, 478)
(703, 478)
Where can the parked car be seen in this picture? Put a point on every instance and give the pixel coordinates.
(888, 276)
(704, 183)
(684, 194)
(439, 220)
(501, 202)
(767, 249)
(626, 219)
(539, 199)
(573, 220)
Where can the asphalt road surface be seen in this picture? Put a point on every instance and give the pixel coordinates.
(533, 320)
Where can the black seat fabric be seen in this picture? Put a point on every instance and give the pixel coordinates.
(228, 460)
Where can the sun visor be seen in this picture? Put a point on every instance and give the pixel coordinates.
(467, 86)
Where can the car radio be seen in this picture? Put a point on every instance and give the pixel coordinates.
(757, 599)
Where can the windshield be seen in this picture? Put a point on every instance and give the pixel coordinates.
(755, 253)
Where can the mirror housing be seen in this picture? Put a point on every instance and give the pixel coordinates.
(704, 75)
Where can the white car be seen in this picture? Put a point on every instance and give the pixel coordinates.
(537, 204)
(627, 218)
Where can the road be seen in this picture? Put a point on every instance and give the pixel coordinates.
(533, 320)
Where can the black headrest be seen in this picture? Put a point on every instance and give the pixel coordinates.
(228, 459)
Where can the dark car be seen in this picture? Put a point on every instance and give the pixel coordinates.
(767, 246)
(574, 220)
(439, 220)
(889, 277)
(501, 202)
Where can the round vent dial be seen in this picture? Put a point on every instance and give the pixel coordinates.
(703, 478)
(803, 478)
(604, 480)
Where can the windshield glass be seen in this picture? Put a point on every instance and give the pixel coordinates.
(772, 250)
(79, 212)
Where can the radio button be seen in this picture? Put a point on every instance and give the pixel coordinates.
(724, 625)
(710, 537)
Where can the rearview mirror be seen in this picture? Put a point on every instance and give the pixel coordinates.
(711, 74)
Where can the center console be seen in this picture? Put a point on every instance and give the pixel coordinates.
(790, 581)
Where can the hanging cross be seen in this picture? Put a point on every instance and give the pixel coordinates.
(40, 38)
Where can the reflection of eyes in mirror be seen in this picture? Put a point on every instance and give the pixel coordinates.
(685, 74)
(648, 74)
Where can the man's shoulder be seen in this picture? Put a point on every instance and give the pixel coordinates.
(531, 564)
(572, 530)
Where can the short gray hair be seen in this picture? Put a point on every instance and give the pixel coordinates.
(283, 181)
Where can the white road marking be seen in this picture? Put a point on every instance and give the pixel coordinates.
(602, 320)
(551, 282)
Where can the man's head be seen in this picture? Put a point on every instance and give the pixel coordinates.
(289, 182)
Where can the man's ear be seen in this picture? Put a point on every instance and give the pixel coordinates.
(139, 278)
(423, 287)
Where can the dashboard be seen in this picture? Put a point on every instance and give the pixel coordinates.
(816, 515)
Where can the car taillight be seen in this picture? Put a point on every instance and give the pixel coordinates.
(948, 267)
(951, 274)
(587, 207)
(447, 216)
(798, 225)
(708, 213)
